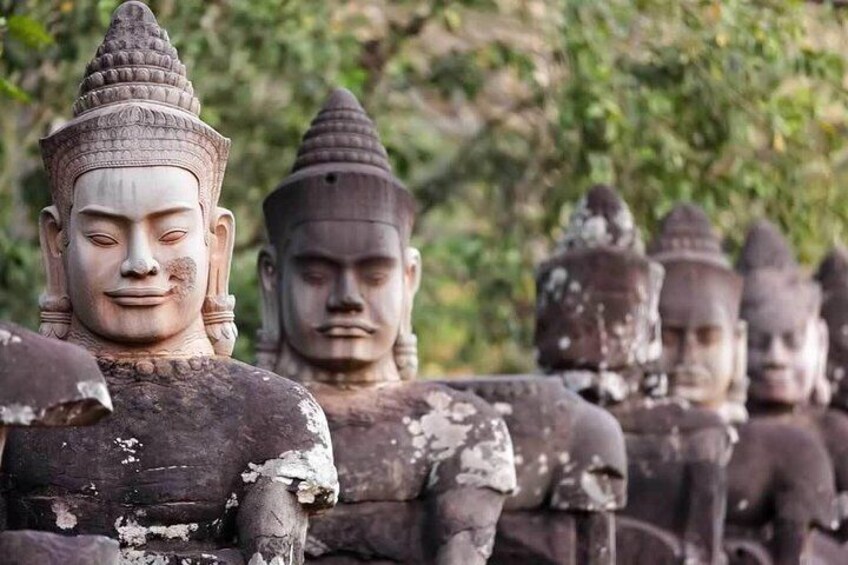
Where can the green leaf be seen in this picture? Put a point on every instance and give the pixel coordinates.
(9, 90)
(28, 31)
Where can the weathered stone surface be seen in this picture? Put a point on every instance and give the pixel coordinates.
(571, 470)
(779, 478)
(704, 341)
(598, 331)
(167, 475)
(202, 449)
(423, 469)
(787, 351)
(28, 547)
(833, 276)
(44, 382)
(432, 439)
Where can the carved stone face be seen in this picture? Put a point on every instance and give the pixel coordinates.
(596, 310)
(137, 262)
(344, 289)
(783, 363)
(703, 340)
(699, 361)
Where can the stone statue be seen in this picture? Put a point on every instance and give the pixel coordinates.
(779, 476)
(423, 469)
(704, 341)
(43, 384)
(787, 346)
(206, 459)
(598, 331)
(571, 468)
(833, 277)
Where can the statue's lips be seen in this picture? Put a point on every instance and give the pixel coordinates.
(139, 295)
(772, 378)
(691, 377)
(346, 329)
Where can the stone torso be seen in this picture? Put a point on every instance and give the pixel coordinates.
(167, 471)
(569, 454)
(830, 426)
(676, 467)
(395, 446)
(570, 465)
(778, 470)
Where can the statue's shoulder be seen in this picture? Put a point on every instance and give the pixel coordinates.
(593, 471)
(466, 439)
(800, 466)
(291, 438)
(664, 415)
(255, 381)
(834, 424)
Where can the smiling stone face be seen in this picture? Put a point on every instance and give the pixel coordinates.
(342, 287)
(137, 261)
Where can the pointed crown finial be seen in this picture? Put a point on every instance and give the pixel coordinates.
(341, 133)
(766, 248)
(686, 233)
(136, 61)
(602, 218)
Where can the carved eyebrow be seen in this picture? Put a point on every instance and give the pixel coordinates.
(104, 212)
(363, 260)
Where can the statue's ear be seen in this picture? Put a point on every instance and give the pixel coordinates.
(739, 383)
(219, 306)
(822, 391)
(412, 271)
(268, 336)
(406, 346)
(54, 303)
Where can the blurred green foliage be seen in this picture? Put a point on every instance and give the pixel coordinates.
(498, 114)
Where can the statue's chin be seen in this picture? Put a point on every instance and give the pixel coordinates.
(341, 364)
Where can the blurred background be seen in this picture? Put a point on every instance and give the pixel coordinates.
(498, 114)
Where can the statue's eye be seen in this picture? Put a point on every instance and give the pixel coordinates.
(173, 236)
(102, 239)
(376, 277)
(314, 276)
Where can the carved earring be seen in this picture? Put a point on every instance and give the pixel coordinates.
(55, 315)
(406, 355)
(220, 321)
(54, 303)
(219, 305)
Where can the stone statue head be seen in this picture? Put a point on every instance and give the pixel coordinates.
(787, 340)
(833, 277)
(597, 297)
(136, 250)
(339, 277)
(704, 341)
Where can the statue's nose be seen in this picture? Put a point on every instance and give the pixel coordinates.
(139, 268)
(139, 261)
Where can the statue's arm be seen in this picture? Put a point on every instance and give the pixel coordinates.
(790, 538)
(464, 523)
(271, 523)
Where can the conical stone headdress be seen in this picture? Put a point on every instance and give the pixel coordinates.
(135, 108)
(778, 296)
(766, 248)
(602, 218)
(341, 173)
(699, 282)
(686, 233)
(833, 271)
(599, 271)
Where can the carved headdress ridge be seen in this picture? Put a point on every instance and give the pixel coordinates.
(342, 172)
(136, 107)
